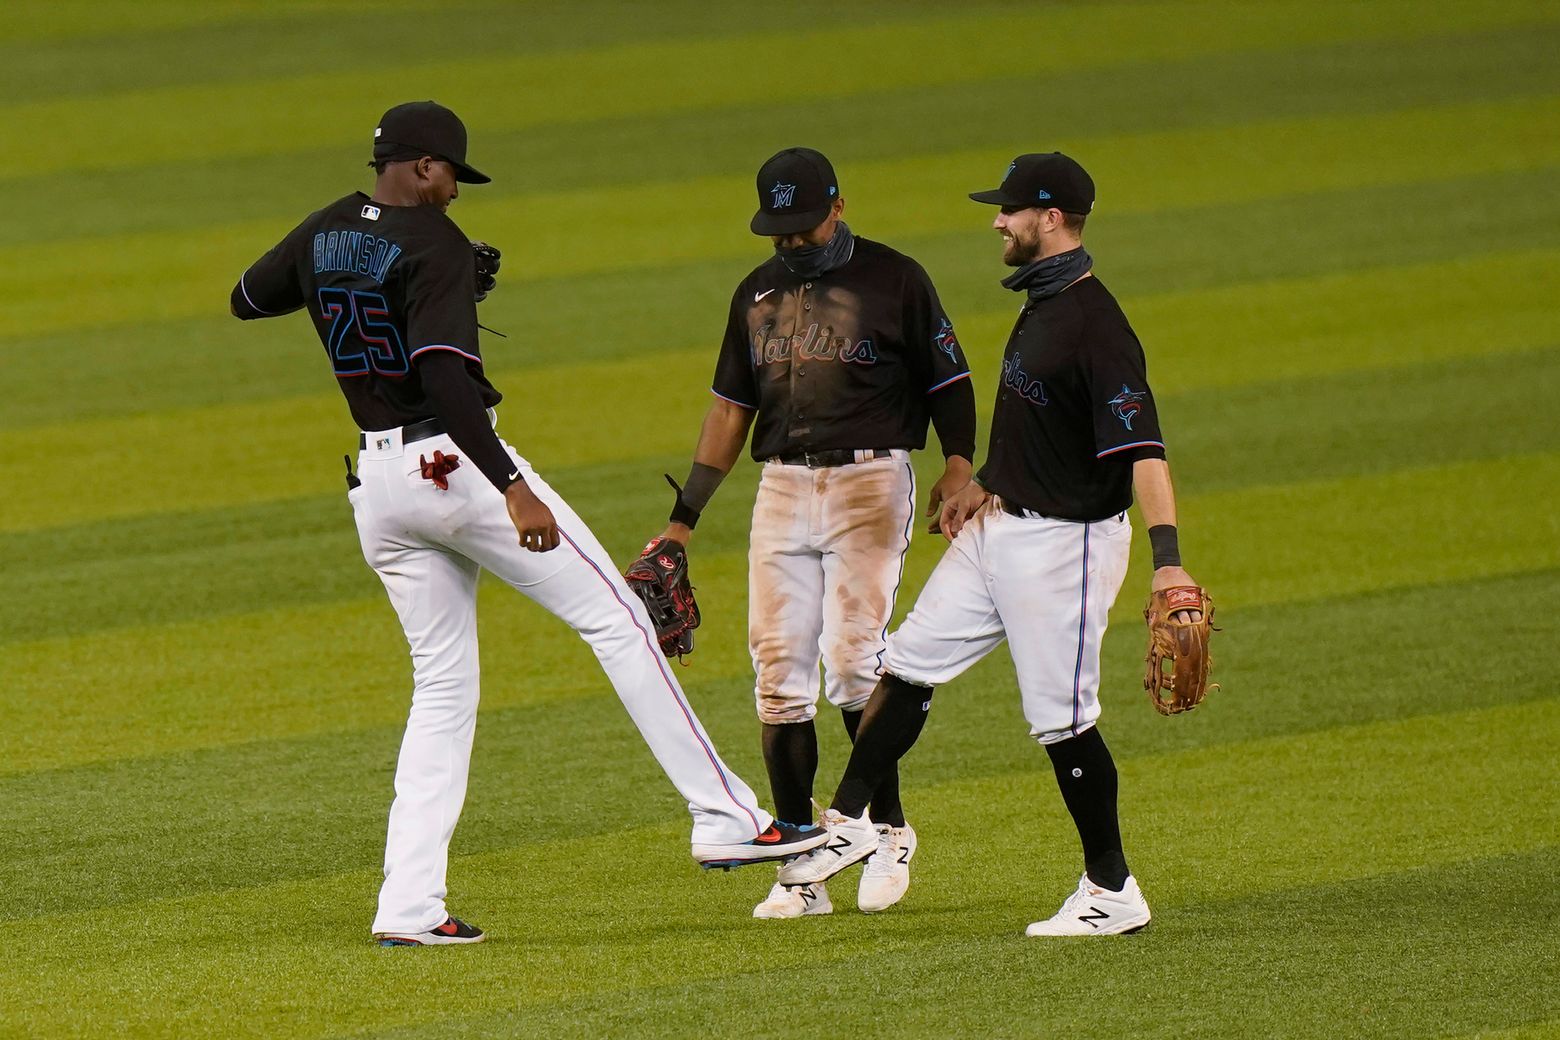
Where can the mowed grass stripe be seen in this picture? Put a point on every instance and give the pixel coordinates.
(214, 360)
(44, 24)
(236, 830)
(1299, 541)
(193, 122)
(1217, 849)
(284, 448)
(193, 47)
(125, 277)
(170, 567)
(1285, 964)
(1351, 77)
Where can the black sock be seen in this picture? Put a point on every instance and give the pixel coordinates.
(1087, 776)
(886, 807)
(890, 724)
(791, 753)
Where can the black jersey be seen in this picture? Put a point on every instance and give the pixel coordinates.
(841, 360)
(1074, 409)
(385, 285)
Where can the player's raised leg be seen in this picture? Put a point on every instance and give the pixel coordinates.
(579, 584)
(953, 625)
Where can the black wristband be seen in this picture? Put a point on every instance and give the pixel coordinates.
(682, 512)
(1167, 550)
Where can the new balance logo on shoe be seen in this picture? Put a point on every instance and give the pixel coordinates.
(838, 845)
(1097, 915)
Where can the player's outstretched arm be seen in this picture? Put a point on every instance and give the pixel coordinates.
(721, 438)
(1156, 500)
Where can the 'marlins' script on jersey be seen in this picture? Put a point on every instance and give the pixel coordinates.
(356, 252)
(842, 360)
(811, 345)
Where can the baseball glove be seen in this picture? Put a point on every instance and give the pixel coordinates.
(487, 268)
(1178, 661)
(660, 578)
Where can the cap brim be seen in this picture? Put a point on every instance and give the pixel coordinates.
(997, 197)
(787, 223)
(469, 174)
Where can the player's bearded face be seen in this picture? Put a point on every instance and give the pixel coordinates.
(1020, 235)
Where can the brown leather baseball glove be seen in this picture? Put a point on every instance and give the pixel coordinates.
(660, 578)
(1178, 661)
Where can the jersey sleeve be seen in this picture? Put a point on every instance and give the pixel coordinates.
(1126, 420)
(735, 380)
(935, 355)
(272, 285)
(441, 297)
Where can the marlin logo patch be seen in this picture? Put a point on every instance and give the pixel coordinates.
(782, 195)
(946, 341)
(1127, 404)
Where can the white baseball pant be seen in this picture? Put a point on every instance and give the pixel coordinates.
(428, 547)
(825, 560)
(1044, 585)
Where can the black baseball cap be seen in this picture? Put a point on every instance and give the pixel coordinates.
(796, 188)
(420, 128)
(1048, 179)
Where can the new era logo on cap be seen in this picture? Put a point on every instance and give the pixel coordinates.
(1049, 178)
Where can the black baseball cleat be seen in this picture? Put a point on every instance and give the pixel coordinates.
(780, 840)
(452, 931)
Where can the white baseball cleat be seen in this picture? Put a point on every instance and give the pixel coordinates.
(850, 840)
(1093, 910)
(794, 901)
(887, 876)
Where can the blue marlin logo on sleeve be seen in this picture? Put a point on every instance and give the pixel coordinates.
(782, 195)
(946, 341)
(1127, 404)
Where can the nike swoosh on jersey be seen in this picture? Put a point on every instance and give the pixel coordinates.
(760, 295)
(515, 475)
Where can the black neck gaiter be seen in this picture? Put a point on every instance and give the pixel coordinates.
(811, 261)
(1047, 277)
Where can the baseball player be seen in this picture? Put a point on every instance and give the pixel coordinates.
(391, 284)
(837, 352)
(1039, 545)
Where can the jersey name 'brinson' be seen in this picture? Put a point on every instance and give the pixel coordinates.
(1074, 410)
(841, 360)
(384, 285)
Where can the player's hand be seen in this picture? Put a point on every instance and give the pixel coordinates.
(1169, 578)
(679, 533)
(532, 519)
(956, 474)
(961, 505)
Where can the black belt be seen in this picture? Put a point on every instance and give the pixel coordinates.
(1014, 509)
(417, 431)
(823, 459)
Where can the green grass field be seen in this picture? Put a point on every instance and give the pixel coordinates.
(1336, 228)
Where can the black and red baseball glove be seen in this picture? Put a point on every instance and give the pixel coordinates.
(660, 578)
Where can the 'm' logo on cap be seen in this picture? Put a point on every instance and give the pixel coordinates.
(1011, 167)
(782, 195)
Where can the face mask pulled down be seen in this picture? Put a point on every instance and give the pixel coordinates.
(811, 261)
(1047, 277)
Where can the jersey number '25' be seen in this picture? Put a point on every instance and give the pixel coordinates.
(361, 335)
